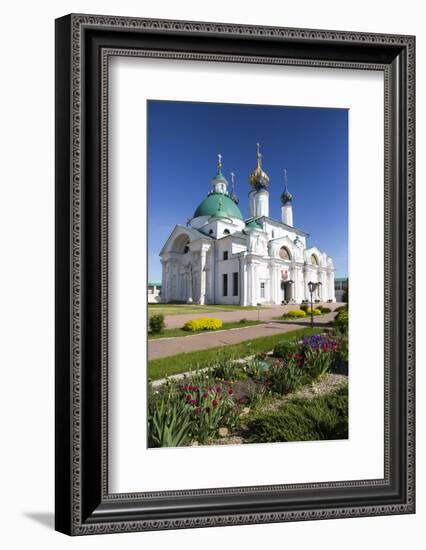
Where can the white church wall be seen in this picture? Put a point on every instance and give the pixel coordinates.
(228, 267)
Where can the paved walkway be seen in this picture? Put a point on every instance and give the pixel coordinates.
(264, 313)
(165, 347)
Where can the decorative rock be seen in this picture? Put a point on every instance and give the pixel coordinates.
(223, 432)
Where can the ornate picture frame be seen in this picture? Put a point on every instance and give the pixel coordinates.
(84, 44)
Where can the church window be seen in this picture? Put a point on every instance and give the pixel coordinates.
(284, 253)
(262, 290)
(226, 232)
(211, 232)
(186, 249)
(225, 284)
(235, 283)
(314, 260)
(225, 255)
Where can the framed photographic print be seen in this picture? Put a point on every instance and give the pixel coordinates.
(234, 274)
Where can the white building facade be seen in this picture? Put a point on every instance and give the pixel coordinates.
(221, 258)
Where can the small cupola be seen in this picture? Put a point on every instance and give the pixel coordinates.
(219, 183)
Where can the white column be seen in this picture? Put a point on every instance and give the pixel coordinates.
(163, 281)
(202, 275)
(261, 200)
(252, 206)
(287, 214)
(330, 278)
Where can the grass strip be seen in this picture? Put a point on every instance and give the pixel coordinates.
(183, 309)
(183, 362)
(176, 332)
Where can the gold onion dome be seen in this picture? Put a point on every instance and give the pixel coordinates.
(258, 178)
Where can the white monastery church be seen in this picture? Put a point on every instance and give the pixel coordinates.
(219, 257)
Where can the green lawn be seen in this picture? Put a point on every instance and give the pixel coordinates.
(180, 309)
(176, 332)
(183, 362)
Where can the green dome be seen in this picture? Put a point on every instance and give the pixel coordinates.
(218, 206)
(253, 225)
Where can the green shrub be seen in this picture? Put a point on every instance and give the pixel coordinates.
(255, 368)
(285, 348)
(320, 418)
(315, 311)
(325, 310)
(341, 308)
(203, 323)
(156, 323)
(341, 321)
(284, 378)
(169, 422)
(318, 363)
(295, 314)
(226, 370)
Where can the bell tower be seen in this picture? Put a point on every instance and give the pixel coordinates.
(286, 204)
(259, 195)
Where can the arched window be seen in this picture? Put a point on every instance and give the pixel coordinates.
(285, 253)
(314, 260)
(226, 232)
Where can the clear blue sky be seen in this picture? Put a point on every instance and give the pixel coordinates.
(184, 139)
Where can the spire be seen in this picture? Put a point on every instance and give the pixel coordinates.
(286, 197)
(234, 196)
(258, 178)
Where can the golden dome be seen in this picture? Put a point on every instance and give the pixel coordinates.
(259, 179)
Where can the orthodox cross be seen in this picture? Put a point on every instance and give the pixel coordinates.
(259, 154)
(219, 162)
(285, 179)
(232, 181)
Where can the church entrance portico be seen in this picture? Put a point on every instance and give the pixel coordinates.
(287, 291)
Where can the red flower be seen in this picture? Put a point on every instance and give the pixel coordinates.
(205, 395)
(231, 391)
(188, 397)
(193, 402)
(218, 388)
(185, 387)
(214, 403)
(191, 387)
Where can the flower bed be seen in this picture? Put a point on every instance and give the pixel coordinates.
(223, 399)
(203, 323)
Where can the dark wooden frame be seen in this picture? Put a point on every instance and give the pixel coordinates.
(83, 46)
